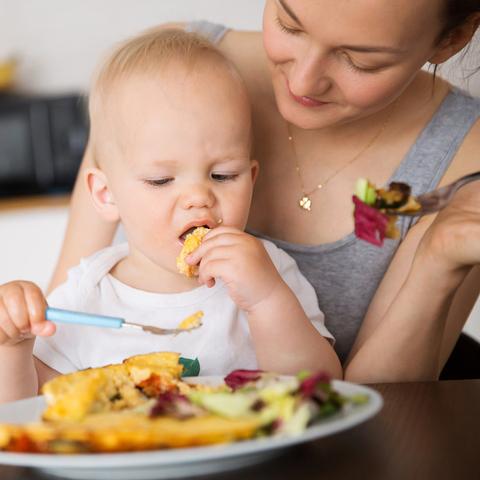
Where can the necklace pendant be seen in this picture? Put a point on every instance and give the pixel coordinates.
(305, 202)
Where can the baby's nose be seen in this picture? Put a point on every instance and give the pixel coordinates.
(198, 196)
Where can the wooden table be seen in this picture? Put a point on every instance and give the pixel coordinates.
(425, 431)
(32, 202)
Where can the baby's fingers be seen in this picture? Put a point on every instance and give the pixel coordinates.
(37, 305)
(8, 329)
(16, 317)
(217, 238)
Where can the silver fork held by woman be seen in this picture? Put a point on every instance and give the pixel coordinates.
(435, 200)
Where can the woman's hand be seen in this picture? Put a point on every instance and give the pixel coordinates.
(241, 261)
(22, 313)
(453, 239)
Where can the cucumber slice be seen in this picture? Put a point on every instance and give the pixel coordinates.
(365, 191)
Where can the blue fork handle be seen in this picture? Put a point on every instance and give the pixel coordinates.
(69, 316)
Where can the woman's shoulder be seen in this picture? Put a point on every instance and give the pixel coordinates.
(245, 50)
(458, 119)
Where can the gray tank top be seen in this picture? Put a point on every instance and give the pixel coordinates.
(347, 272)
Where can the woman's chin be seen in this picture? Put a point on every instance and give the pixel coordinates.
(304, 117)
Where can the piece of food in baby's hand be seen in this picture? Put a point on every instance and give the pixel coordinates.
(374, 220)
(192, 241)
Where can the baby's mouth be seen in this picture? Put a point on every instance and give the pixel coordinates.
(183, 236)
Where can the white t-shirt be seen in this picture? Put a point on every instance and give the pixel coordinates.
(222, 344)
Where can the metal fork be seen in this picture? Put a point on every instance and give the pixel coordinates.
(435, 200)
(81, 318)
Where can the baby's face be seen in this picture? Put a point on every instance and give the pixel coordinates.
(182, 159)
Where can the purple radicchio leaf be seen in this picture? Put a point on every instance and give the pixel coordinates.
(370, 223)
(239, 378)
(309, 387)
(174, 405)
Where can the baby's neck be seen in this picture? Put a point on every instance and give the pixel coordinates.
(154, 279)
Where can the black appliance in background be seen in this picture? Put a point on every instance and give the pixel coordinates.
(42, 140)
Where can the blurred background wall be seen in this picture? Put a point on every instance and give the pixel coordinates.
(58, 43)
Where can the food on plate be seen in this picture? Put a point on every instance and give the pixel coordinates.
(374, 212)
(113, 387)
(192, 241)
(120, 432)
(248, 404)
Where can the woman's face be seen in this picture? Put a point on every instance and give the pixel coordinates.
(334, 61)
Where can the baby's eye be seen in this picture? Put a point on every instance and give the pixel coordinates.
(158, 182)
(224, 177)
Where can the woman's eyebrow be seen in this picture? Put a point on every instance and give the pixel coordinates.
(289, 11)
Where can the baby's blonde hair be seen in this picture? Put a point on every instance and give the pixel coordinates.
(148, 53)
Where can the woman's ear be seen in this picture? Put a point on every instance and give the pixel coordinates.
(102, 197)
(457, 39)
(254, 168)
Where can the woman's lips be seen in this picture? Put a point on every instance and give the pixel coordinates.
(305, 101)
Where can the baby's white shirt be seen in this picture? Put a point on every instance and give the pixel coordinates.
(222, 344)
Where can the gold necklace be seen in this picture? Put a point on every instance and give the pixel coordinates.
(305, 201)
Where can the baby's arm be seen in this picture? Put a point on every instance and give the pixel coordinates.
(284, 338)
(22, 316)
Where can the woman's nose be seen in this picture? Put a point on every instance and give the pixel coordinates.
(309, 75)
(198, 196)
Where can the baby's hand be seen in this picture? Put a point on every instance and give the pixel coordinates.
(241, 261)
(22, 313)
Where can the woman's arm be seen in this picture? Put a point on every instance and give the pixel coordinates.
(86, 232)
(428, 291)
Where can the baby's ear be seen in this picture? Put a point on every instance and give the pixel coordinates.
(254, 168)
(102, 197)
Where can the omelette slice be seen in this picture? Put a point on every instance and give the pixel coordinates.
(111, 388)
(115, 432)
(192, 241)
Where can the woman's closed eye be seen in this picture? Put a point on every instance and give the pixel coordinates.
(360, 68)
(284, 28)
(158, 182)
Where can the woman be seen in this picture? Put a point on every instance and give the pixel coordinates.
(338, 93)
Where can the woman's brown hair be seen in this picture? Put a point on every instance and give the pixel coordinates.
(456, 12)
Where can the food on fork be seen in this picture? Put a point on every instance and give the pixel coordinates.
(191, 322)
(192, 241)
(374, 212)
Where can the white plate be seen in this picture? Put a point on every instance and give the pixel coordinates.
(182, 462)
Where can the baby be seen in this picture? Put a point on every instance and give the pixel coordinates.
(171, 138)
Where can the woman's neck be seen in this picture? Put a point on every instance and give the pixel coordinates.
(275, 211)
